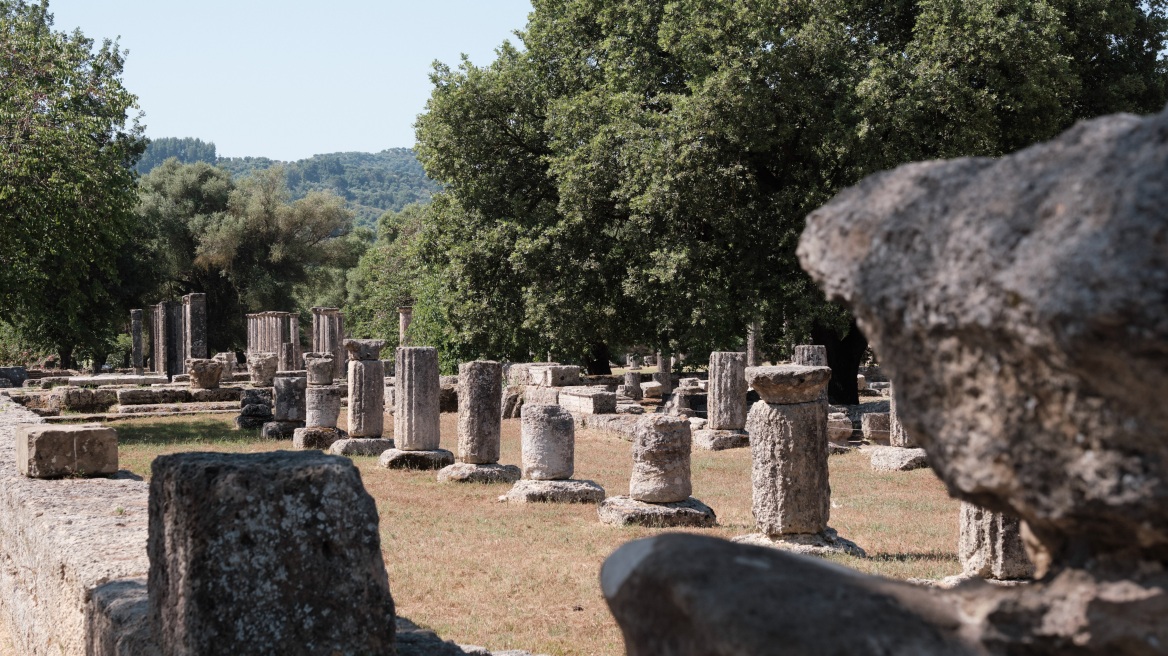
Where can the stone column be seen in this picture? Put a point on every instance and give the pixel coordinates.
(294, 337)
(323, 406)
(204, 373)
(726, 404)
(136, 341)
(261, 368)
(405, 315)
(236, 563)
(810, 355)
(897, 436)
(287, 358)
(288, 397)
(366, 388)
(328, 333)
(194, 309)
(480, 395)
(752, 333)
(416, 412)
(548, 443)
(990, 545)
(632, 385)
(664, 373)
(788, 444)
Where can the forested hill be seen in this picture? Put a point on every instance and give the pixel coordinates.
(371, 182)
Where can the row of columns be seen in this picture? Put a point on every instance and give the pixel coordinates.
(267, 331)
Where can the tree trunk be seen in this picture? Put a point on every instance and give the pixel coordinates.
(98, 361)
(65, 355)
(598, 360)
(843, 356)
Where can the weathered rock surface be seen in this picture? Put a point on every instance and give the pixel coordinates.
(726, 405)
(205, 374)
(788, 383)
(261, 368)
(627, 511)
(289, 397)
(810, 355)
(839, 427)
(661, 460)
(44, 451)
(479, 415)
(990, 545)
(895, 458)
(632, 383)
(788, 445)
(588, 400)
(279, 550)
(512, 402)
(316, 437)
(1017, 305)
(320, 368)
(461, 472)
(416, 417)
(897, 436)
(824, 543)
(279, 430)
(366, 411)
(360, 447)
(557, 491)
(547, 442)
(322, 405)
(360, 350)
(874, 426)
(720, 440)
(418, 459)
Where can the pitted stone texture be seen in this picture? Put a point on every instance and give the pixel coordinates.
(416, 417)
(627, 511)
(632, 383)
(874, 426)
(417, 459)
(320, 368)
(720, 440)
(661, 461)
(461, 472)
(839, 427)
(261, 396)
(824, 543)
(316, 437)
(548, 442)
(788, 446)
(366, 412)
(897, 436)
(559, 376)
(363, 349)
(990, 545)
(480, 390)
(322, 405)
(1017, 304)
(541, 395)
(726, 406)
(652, 389)
(588, 400)
(261, 368)
(205, 374)
(557, 491)
(512, 402)
(895, 458)
(275, 552)
(360, 446)
(289, 398)
(810, 355)
(44, 451)
(663, 388)
(788, 383)
(279, 430)
(81, 399)
(286, 358)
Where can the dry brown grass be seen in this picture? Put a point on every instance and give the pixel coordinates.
(525, 577)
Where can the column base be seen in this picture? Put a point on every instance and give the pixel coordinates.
(417, 460)
(565, 491)
(361, 446)
(627, 511)
(280, 430)
(316, 437)
(895, 458)
(814, 544)
(718, 440)
(465, 472)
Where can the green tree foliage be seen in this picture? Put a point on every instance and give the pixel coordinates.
(640, 171)
(245, 244)
(187, 150)
(372, 183)
(67, 148)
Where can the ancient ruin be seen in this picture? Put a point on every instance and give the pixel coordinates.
(549, 451)
(480, 391)
(415, 420)
(726, 405)
(328, 336)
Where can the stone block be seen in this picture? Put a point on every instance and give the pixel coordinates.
(363, 349)
(652, 389)
(557, 491)
(548, 442)
(448, 398)
(361, 446)
(719, 440)
(788, 384)
(417, 459)
(627, 511)
(533, 395)
(661, 460)
(990, 545)
(839, 427)
(289, 398)
(894, 458)
(461, 472)
(316, 437)
(218, 395)
(261, 368)
(44, 451)
(416, 417)
(320, 368)
(479, 418)
(322, 405)
(588, 400)
(271, 552)
(204, 373)
(366, 412)
(258, 396)
(559, 376)
(280, 430)
(788, 445)
(80, 399)
(874, 426)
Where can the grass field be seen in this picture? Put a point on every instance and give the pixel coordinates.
(508, 576)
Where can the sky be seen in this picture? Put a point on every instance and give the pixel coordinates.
(288, 79)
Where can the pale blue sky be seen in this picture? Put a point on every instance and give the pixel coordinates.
(288, 79)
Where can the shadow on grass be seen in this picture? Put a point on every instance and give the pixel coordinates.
(188, 432)
(927, 556)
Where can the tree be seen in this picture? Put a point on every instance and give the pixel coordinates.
(187, 150)
(67, 148)
(639, 173)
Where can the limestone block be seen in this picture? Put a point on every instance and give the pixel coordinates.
(839, 427)
(788, 383)
(363, 349)
(588, 400)
(364, 446)
(557, 491)
(719, 440)
(322, 405)
(279, 550)
(254, 396)
(261, 368)
(448, 397)
(810, 355)
(366, 398)
(534, 395)
(512, 402)
(279, 430)
(479, 418)
(286, 358)
(416, 417)
(548, 442)
(664, 380)
(228, 360)
(80, 399)
(661, 460)
(461, 472)
(897, 436)
(316, 437)
(289, 398)
(726, 405)
(417, 459)
(632, 384)
(861, 382)
(320, 368)
(874, 426)
(788, 446)
(894, 458)
(627, 511)
(54, 451)
(652, 389)
(219, 395)
(990, 545)
(204, 374)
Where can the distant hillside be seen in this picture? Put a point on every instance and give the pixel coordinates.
(371, 182)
